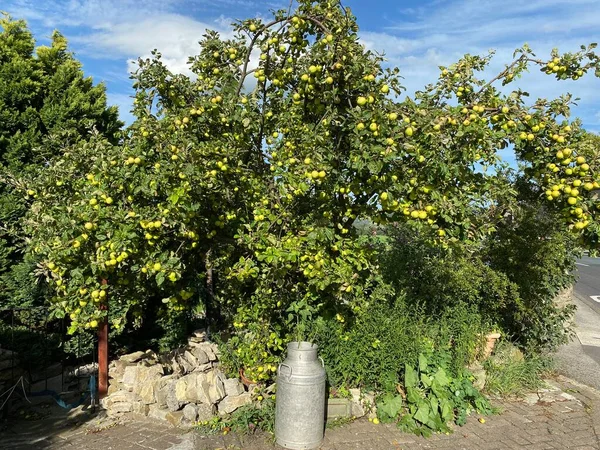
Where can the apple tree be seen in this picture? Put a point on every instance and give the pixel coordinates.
(236, 191)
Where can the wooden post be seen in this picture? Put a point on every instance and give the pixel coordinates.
(103, 354)
(103, 359)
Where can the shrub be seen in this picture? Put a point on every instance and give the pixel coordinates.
(532, 252)
(459, 331)
(510, 278)
(441, 280)
(371, 351)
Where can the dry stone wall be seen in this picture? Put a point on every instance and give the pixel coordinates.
(181, 387)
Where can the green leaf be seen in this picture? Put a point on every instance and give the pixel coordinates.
(446, 410)
(422, 362)
(426, 380)
(422, 414)
(425, 432)
(413, 395)
(441, 378)
(407, 424)
(410, 376)
(434, 403)
(390, 405)
(483, 405)
(461, 417)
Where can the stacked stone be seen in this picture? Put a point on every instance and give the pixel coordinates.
(182, 387)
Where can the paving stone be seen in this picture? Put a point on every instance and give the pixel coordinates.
(141, 436)
(559, 425)
(164, 442)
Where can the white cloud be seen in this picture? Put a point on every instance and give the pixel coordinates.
(123, 30)
(483, 19)
(95, 14)
(175, 36)
(128, 29)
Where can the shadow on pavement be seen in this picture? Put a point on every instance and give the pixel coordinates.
(43, 425)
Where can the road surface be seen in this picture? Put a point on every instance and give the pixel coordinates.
(587, 291)
(580, 359)
(588, 284)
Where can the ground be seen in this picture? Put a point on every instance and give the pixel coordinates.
(564, 416)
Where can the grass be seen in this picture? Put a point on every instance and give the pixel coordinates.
(510, 374)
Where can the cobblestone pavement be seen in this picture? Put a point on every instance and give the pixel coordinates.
(565, 419)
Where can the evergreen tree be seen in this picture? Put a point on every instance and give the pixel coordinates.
(46, 104)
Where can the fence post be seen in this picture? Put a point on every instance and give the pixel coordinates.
(103, 353)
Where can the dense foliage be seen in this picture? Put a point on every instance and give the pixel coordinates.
(46, 105)
(509, 373)
(237, 199)
(531, 250)
(511, 278)
(372, 351)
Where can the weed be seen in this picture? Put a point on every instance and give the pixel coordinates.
(246, 420)
(339, 422)
(510, 373)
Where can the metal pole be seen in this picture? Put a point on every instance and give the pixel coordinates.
(103, 354)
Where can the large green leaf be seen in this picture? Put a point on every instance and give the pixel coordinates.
(390, 405)
(446, 410)
(413, 395)
(441, 378)
(434, 403)
(426, 380)
(410, 376)
(422, 414)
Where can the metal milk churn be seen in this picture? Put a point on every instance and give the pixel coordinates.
(300, 404)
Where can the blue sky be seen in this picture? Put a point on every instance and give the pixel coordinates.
(417, 36)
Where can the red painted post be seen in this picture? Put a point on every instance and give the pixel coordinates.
(103, 354)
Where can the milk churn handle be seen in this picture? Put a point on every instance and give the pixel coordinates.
(286, 365)
(322, 362)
